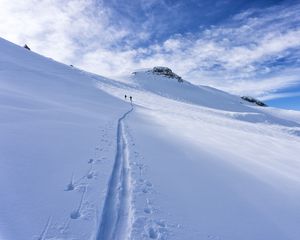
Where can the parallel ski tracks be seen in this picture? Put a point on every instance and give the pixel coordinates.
(117, 214)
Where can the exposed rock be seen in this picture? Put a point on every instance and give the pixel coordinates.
(166, 72)
(253, 100)
(26, 46)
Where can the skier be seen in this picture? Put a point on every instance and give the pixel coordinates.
(130, 99)
(125, 96)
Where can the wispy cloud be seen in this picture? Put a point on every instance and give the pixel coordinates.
(254, 52)
(280, 95)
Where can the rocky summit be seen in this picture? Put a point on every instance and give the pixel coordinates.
(165, 71)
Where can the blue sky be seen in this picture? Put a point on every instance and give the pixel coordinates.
(180, 16)
(240, 46)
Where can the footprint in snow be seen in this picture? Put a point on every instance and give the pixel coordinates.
(71, 185)
(152, 233)
(158, 230)
(147, 188)
(75, 214)
(161, 223)
(148, 209)
(149, 184)
(91, 175)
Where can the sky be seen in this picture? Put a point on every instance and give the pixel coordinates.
(240, 46)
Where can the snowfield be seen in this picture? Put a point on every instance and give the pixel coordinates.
(78, 161)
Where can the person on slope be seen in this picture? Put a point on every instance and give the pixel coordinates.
(130, 99)
(125, 96)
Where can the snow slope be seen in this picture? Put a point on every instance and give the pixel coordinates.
(209, 165)
(57, 144)
(183, 162)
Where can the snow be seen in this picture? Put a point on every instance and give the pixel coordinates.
(53, 121)
(283, 113)
(78, 161)
(117, 214)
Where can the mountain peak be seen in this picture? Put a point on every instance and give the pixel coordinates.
(167, 72)
(162, 71)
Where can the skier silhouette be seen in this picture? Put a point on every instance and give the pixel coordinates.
(130, 99)
(125, 96)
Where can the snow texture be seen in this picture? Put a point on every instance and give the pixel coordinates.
(79, 161)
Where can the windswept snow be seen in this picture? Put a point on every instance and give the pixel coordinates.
(189, 162)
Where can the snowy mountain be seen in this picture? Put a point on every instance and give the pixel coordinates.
(79, 161)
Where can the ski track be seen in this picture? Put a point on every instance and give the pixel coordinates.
(117, 215)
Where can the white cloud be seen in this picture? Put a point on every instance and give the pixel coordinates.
(59, 29)
(280, 95)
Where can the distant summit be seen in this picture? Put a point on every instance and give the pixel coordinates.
(165, 71)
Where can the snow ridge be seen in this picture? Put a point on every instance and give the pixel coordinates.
(116, 220)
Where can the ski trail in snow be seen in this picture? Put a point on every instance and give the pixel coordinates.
(116, 219)
(45, 230)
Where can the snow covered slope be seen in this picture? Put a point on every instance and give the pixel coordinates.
(210, 166)
(57, 145)
(184, 162)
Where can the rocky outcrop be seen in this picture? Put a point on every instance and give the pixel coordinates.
(26, 46)
(253, 100)
(167, 72)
